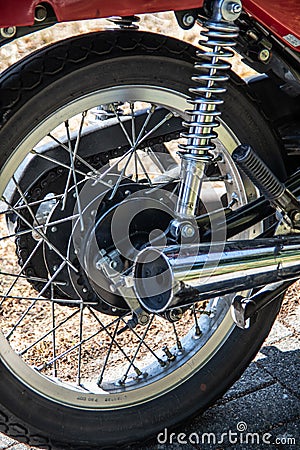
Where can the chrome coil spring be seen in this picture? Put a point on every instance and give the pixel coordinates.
(220, 36)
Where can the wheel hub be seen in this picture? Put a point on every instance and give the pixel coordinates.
(116, 229)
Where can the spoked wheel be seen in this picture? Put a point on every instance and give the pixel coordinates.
(89, 176)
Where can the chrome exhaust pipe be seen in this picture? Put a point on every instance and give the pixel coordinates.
(178, 275)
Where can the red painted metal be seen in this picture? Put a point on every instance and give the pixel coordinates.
(282, 17)
(21, 12)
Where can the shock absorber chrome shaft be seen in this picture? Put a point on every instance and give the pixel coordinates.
(219, 35)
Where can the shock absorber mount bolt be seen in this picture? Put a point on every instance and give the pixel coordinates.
(187, 231)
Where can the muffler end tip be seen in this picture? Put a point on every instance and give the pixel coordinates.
(153, 280)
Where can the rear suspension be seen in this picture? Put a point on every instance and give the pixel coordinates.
(211, 73)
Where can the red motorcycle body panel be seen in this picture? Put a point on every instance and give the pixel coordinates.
(281, 17)
(21, 12)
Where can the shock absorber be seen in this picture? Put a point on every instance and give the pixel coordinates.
(220, 34)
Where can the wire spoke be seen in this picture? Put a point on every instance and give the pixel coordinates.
(75, 346)
(80, 346)
(35, 300)
(112, 341)
(61, 164)
(72, 172)
(42, 235)
(149, 115)
(198, 331)
(25, 200)
(116, 343)
(35, 203)
(178, 342)
(39, 227)
(122, 125)
(161, 362)
(63, 301)
(70, 168)
(144, 169)
(29, 278)
(78, 157)
(125, 376)
(132, 123)
(19, 275)
(51, 331)
(116, 186)
(154, 158)
(156, 127)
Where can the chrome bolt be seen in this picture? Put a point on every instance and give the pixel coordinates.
(119, 284)
(187, 231)
(40, 13)
(188, 20)
(234, 8)
(143, 319)
(113, 288)
(84, 290)
(229, 178)
(230, 10)
(54, 229)
(168, 354)
(113, 264)
(55, 268)
(99, 264)
(296, 217)
(8, 32)
(127, 192)
(264, 55)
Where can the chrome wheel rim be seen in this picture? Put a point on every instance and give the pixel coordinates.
(194, 350)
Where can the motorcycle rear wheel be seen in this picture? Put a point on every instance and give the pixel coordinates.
(46, 89)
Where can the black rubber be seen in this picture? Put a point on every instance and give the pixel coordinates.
(29, 92)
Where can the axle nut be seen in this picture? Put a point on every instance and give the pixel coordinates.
(187, 231)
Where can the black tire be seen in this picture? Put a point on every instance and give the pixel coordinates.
(40, 85)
